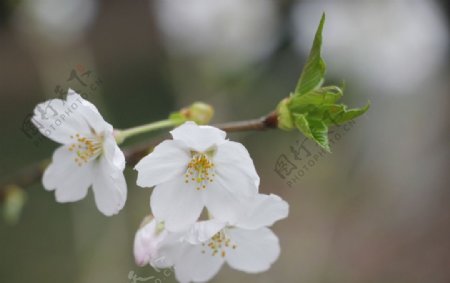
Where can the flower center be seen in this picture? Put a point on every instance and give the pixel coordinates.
(85, 149)
(219, 244)
(200, 170)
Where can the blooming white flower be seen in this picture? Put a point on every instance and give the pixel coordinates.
(248, 245)
(198, 168)
(89, 154)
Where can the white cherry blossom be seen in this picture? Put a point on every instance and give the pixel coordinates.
(198, 168)
(198, 255)
(89, 155)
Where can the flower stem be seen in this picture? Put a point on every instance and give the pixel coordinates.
(122, 135)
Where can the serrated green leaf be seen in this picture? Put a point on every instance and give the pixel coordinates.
(338, 114)
(320, 133)
(312, 108)
(313, 73)
(302, 124)
(314, 129)
(313, 99)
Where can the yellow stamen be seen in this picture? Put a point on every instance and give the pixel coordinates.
(200, 170)
(85, 149)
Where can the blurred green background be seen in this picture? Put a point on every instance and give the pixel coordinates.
(375, 210)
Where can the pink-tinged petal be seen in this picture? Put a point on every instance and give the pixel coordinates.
(176, 203)
(110, 188)
(147, 242)
(233, 159)
(195, 266)
(263, 210)
(168, 160)
(63, 175)
(198, 138)
(224, 200)
(256, 250)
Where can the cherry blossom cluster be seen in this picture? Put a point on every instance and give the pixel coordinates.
(206, 208)
(199, 170)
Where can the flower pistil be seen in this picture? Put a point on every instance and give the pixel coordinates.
(200, 170)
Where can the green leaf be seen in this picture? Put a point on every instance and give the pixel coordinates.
(315, 98)
(320, 133)
(338, 114)
(314, 129)
(302, 124)
(313, 73)
(313, 108)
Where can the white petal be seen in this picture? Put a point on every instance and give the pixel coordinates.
(176, 203)
(170, 250)
(147, 242)
(167, 161)
(255, 251)
(58, 120)
(113, 153)
(89, 113)
(232, 158)
(110, 188)
(70, 181)
(202, 231)
(224, 200)
(193, 265)
(198, 138)
(263, 210)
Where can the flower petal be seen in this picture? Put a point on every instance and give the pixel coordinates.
(202, 231)
(170, 250)
(255, 251)
(113, 153)
(110, 188)
(194, 265)
(198, 138)
(167, 161)
(233, 159)
(224, 200)
(147, 242)
(58, 120)
(89, 112)
(263, 210)
(176, 203)
(70, 181)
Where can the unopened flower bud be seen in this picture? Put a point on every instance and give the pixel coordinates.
(147, 241)
(199, 112)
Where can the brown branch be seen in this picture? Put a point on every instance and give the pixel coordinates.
(267, 122)
(32, 174)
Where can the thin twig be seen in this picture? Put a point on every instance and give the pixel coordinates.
(33, 173)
